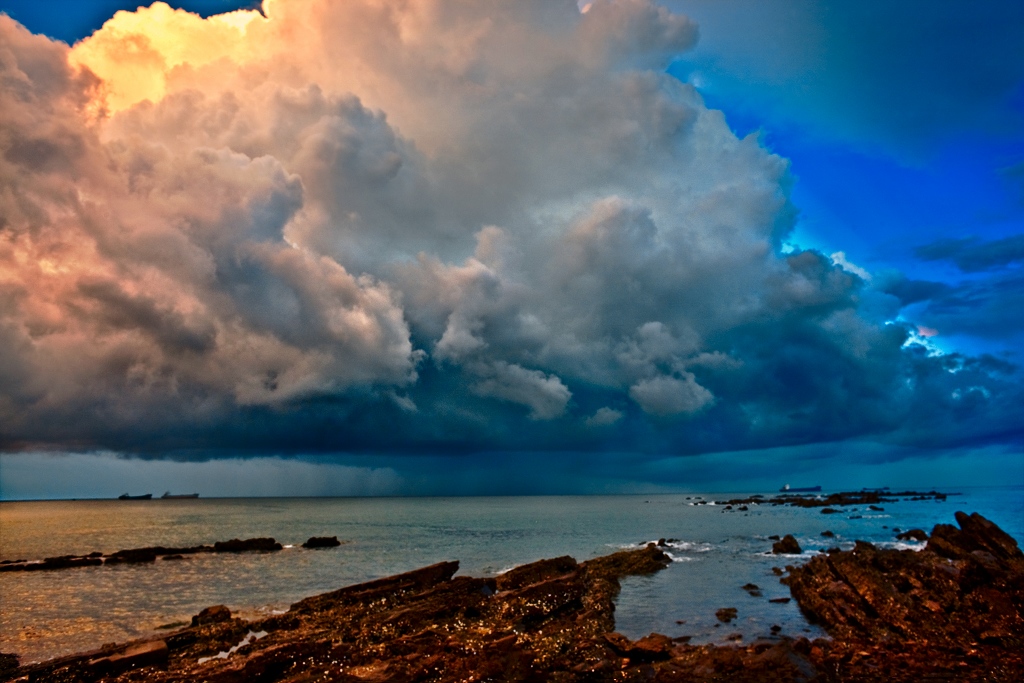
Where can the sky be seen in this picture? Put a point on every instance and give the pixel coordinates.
(477, 247)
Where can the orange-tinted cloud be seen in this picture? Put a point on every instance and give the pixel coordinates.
(134, 53)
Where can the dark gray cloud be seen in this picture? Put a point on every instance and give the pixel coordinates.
(973, 255)
(501, 227)
(982, 304)
(909, 291)
(988, 307)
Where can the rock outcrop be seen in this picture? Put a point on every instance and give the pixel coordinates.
(8, 664)
(842, 498)
(322, 542)
(787, 546)
(912, 535)
(547, 621)
(212, 615)
(150, 554)
(239, 546)
(953, 611)
(955, 608)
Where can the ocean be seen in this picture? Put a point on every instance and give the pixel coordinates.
(716, 551)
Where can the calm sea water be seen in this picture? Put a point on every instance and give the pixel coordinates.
(45, 614)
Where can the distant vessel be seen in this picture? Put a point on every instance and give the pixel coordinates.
(173, 496)
(144, 496)
(805, 489)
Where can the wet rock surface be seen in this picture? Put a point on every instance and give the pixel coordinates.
(322, 542)
(151, 554)
(8, 663)
(787, 546)
(912, 535)
(952, 611)
(236, 545)
(212, 615)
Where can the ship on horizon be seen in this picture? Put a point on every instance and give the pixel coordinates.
(174, 496)
(144, 496)
(804, 489)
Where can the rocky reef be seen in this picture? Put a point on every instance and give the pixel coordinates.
(953, 611)
(151, 553)
(871, 499)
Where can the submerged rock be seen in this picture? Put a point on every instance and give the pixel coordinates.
(726, 614)
(322, 542)
(238, 546)
(135, 556)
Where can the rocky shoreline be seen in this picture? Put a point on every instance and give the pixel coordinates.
(952, 611)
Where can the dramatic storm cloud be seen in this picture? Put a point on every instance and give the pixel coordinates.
(903, 73)
(413, 226)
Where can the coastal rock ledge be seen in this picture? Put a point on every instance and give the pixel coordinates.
(953, 611)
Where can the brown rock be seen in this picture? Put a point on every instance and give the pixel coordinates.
(913, 534)
(211, 615)
(984, 535)
(618, 642)
(238, 546)
(133, 556)
(649, 560)
(322, 542)
(133, 657)
(8, 663)
(381, 589)
(651, 648)
(787, 546)
(726, 614)
(948, 593)
(535, 571)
